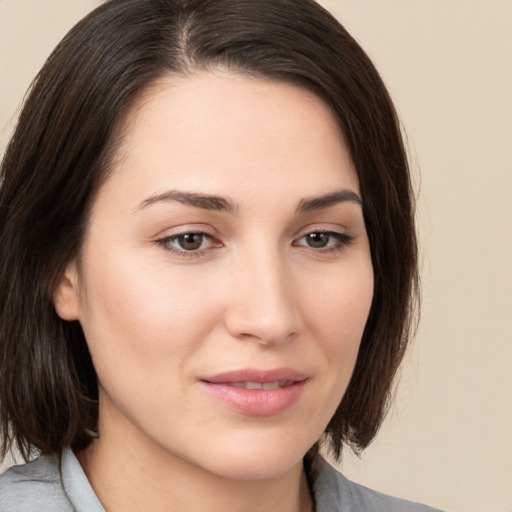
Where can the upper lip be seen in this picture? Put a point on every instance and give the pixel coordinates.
(256, 375)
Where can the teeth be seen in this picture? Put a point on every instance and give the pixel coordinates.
(236, 384)
(260, 385)
(253, 385)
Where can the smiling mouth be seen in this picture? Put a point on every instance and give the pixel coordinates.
(257, 392)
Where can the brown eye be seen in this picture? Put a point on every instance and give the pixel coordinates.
(328, 240)
(190, 241)
(317, 240)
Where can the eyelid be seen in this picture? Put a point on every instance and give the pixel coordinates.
(342, 239)
(335, 234)
(164, 240)
(185, 229)
(322, 228)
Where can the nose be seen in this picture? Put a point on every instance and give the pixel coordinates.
(263, 305)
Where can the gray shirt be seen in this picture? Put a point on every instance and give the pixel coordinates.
(52, 485)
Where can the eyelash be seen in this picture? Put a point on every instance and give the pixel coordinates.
(165, 243)
(341, 240)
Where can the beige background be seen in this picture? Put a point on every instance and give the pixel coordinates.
(448, 64)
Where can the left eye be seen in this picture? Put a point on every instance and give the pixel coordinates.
(324, 239)
(188, 242)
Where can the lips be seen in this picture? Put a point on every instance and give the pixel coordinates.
(257, 392)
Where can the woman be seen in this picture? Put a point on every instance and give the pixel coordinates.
(208, 264)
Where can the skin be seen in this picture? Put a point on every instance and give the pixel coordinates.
(256, 293)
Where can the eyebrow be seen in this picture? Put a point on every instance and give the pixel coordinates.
(203, 201)
(217, 203)
(320, 202)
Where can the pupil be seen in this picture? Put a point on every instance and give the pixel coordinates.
(191, 241)
(318, 240)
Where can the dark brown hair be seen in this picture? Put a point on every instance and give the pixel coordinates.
(60, 153)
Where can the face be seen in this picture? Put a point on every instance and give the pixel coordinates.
(225, 278)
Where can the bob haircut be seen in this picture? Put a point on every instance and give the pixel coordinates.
(64, 143)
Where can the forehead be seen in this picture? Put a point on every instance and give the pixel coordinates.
(214, 126)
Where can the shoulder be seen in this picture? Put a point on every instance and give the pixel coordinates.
(334, 492)
(36, 486)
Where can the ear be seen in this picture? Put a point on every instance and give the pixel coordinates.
(66, 294)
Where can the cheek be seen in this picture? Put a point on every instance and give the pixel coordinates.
(139, 319)
(337, 315)
(339, 305)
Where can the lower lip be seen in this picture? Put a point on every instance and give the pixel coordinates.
(257, 402)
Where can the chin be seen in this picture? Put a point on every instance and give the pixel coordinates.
(257, 466)
(257, 458)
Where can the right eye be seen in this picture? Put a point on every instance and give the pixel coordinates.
(187, 243)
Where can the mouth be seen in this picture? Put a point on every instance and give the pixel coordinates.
(260, 385)
(257, 392)
(246, 377)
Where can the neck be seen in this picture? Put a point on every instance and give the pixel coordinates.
(134, 474)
